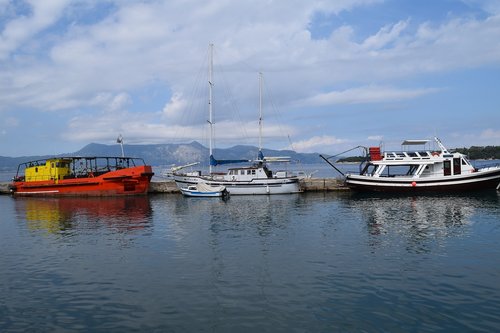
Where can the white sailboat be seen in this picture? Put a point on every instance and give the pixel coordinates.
(256, 178)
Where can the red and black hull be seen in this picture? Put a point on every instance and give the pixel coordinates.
(477, 181)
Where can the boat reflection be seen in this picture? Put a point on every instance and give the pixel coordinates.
(260, 214)
(420, 221)
(62, 214)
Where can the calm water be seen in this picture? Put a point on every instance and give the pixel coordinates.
(302, 263)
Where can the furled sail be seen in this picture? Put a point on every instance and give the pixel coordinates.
(214, 162)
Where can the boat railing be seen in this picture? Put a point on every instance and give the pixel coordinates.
(402, 155)
(82, 166)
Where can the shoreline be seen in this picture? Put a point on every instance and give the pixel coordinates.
(168, 186)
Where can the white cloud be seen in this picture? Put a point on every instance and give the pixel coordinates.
(107, 61)
(110, 102)
(316, 143)
(19, 30)
(375, 138)
(385, 36)
(119, 102)
(175, 106)
(147, 128)
(491, 134)
(140, 42)
(490, 6)
(366, 94)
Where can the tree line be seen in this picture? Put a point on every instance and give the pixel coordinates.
(481, 153)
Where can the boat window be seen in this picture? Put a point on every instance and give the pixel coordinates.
(242, 172)
(447, 168)
(457, 167)
(411, 170)
(253, 172)
(369, 169)
(249, 172)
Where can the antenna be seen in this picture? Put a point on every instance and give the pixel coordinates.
(440, 144)
(120, 141)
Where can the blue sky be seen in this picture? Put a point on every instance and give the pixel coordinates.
(337, 74)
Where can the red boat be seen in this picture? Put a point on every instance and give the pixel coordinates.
(82, 176)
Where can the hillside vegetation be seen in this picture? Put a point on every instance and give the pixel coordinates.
(481, 153)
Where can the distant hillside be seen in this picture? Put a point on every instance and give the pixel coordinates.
(481, 153)
(351, 159)
(11, 163)
(168, 154)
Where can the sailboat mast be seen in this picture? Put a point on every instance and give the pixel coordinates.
(210, 111)
(260, 116)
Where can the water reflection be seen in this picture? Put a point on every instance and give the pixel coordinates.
(56, 215)
(420, 220)
(317, 262)
(239, 213)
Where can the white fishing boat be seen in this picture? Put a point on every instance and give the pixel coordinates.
(421, 170)
(254, 179)
(204, 190)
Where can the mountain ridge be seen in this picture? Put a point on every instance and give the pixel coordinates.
(169, 154)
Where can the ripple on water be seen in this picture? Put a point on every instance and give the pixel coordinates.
(312, 262)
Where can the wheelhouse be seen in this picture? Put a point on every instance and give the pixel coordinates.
(248, 173)
(415, 164)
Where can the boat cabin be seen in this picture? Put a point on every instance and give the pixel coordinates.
(59, 168)
(248, 173)
(50, 169)
(416, 163)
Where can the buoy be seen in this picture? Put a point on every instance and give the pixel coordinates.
(413, 184)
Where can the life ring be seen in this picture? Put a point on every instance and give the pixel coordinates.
(435, 153)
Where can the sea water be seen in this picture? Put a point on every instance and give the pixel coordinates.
(314, 262)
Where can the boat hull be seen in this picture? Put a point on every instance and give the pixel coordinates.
(254, 187)
(480, 180)
(123, 182)
(194, 193)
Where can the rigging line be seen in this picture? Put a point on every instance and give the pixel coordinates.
(233, 105)
(364, 148)
(280, 117)
(331, 164)
(194, 103)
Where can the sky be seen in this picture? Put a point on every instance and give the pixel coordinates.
(335, 74)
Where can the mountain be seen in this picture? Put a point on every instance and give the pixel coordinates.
(11, 163)
(168, 154)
